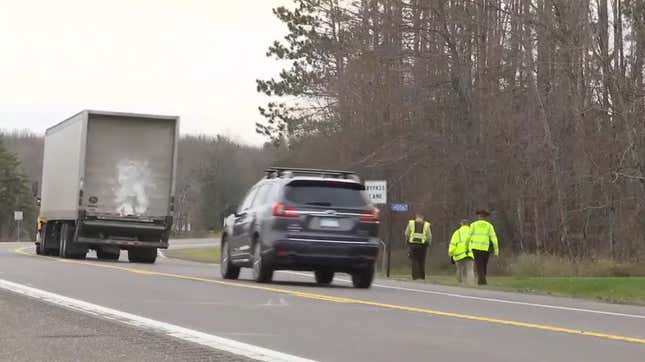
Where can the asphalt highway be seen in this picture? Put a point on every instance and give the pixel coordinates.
(294, 319)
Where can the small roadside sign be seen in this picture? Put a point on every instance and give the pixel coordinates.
(17, 215)
(377, 191)
(400, 207)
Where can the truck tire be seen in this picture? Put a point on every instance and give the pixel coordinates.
(63, 243)
(142, 255)
(66, 248)
(49, 236)
(107, 255)
(262, 272)
(226, 267)
(362, 278)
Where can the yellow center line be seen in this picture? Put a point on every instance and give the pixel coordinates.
(334, 299)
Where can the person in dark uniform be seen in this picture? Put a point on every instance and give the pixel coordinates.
(419, 237)
(483, 242)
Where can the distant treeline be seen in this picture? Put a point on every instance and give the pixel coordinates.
(213, 175)
(15, 187)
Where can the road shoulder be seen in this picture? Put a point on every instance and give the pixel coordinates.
(34, 330)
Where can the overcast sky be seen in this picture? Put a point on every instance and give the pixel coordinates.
(194, 58)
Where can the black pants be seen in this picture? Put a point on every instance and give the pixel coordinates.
(418, 260)
(481, 265)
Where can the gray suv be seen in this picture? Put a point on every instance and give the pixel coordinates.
(306, 220)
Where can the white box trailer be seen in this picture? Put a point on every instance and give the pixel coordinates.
(108, 184)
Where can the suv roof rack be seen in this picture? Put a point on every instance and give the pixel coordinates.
(273, 172)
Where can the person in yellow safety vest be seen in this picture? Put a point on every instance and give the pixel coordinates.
(482, 242)
(461, 253)
(419, 237)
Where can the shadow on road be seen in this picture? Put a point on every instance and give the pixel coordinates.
(289, 283)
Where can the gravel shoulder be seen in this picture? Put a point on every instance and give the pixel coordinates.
(37, 331)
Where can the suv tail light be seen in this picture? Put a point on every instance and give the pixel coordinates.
(281, 210)
(370, 216)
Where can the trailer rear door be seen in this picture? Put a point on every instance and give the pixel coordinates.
(129, 165)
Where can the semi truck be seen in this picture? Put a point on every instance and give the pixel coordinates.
(108, 184)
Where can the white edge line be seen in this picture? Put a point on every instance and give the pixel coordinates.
(495, 300)
(204, 339)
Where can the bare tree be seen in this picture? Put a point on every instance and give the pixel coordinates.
(531, 107)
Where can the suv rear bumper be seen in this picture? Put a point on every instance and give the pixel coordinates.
(340, 256)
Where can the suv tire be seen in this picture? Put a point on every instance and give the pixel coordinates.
(363, 278)
(226, 267)
(262, 273)
(324, 277)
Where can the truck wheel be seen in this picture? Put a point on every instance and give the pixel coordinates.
(226, 267)
(107, 255)
(324, 277)
(363, 278)
(49, 235)
(262, 273)
(66, 248)
(142, 255)
(63, 249)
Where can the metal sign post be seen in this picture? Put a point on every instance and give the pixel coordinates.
(389, 246)
(394, 209)
(377, 193)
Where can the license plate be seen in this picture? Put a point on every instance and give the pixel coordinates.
(329, 223)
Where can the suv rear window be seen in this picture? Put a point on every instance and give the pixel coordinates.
(326, 193)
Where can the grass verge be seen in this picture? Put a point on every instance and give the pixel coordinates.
(624, 290)
(209, 254)
(621, 290)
